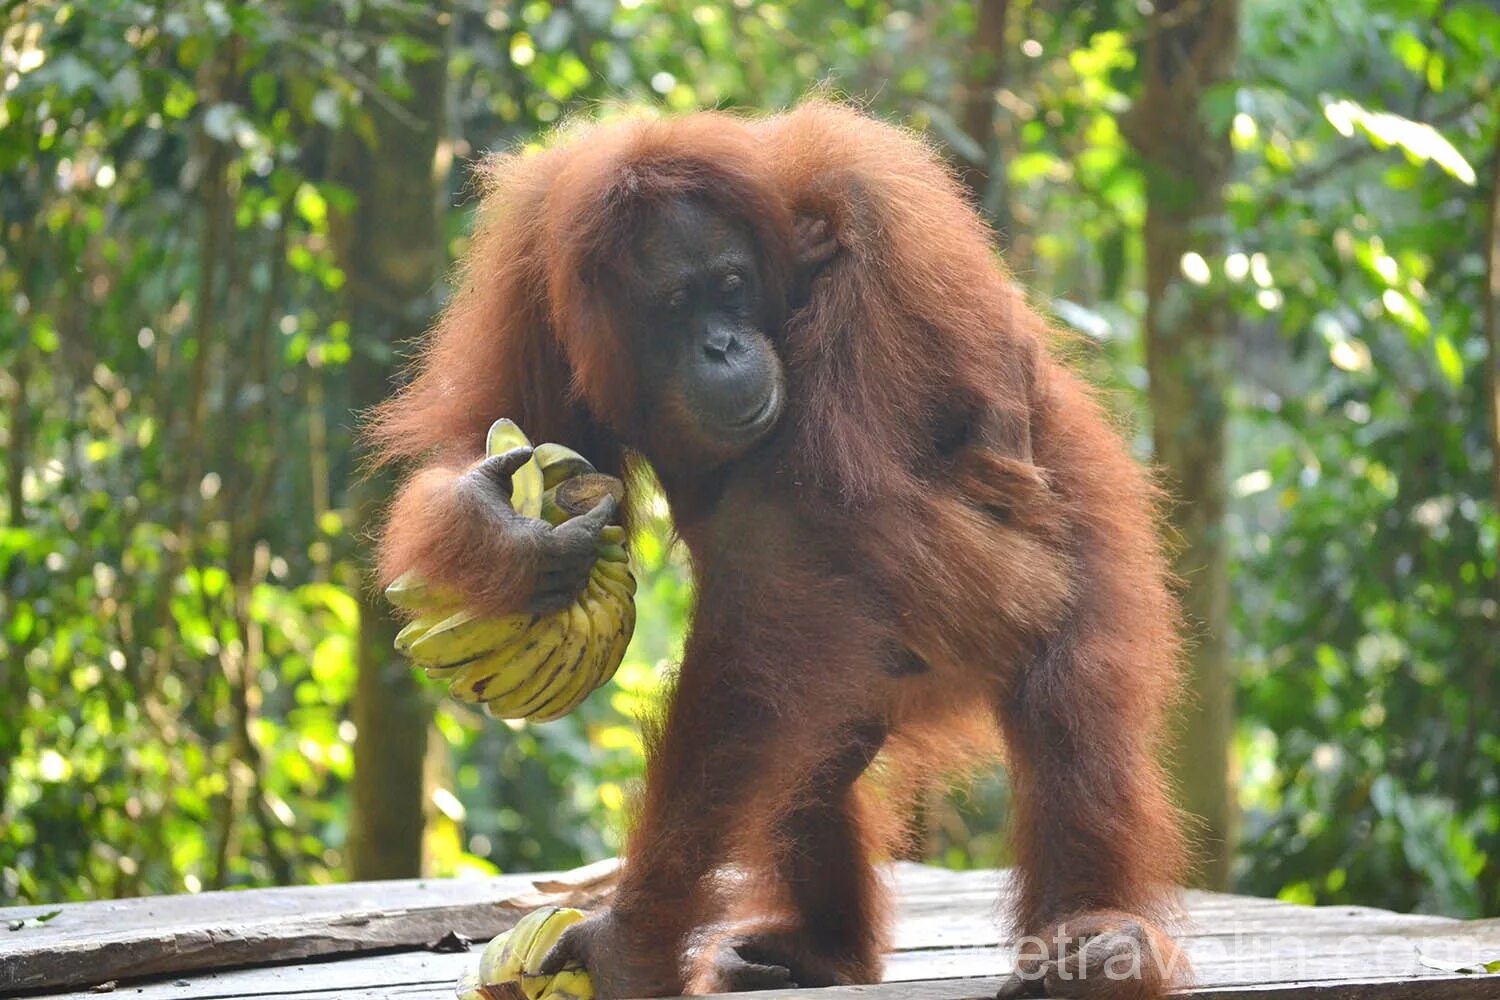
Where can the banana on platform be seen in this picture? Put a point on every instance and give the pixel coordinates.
(511, 960)
(569, 984)
(468, 987)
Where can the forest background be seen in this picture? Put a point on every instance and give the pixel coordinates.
(1274, 226)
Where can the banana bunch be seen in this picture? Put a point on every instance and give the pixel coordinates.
(505, 965)
(529, 666)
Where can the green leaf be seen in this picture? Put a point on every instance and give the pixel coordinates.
(1419, 140)
(312, 207)
(263, 90)
(1450, 362)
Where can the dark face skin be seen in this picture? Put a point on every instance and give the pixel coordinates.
(710, 381)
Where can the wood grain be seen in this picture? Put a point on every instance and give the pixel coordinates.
(88, 943)
(367, 940)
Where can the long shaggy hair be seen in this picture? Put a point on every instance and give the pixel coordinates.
(957, 494)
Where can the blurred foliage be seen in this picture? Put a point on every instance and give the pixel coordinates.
(1366, 523)
(177, 629)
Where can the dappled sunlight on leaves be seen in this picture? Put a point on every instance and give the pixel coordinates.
(179, 574)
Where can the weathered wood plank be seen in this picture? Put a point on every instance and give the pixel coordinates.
(88, 943)
(232, 942)
(983, 988)
(1261, 959)
(1430, 988)
(357, 976)
(1277, 958)
(947, 936)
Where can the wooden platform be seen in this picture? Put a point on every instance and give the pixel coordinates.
(373, 940)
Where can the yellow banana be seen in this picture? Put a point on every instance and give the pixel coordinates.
(410, 592)
(566, 674)
(468, 986)
(618, 572)
(559, 462)
(578, 687)
(593, 665)
(416, 628)
(613, 553)
(464, 637)
(551, 512)
(610, 577)
(521, 665)
(528, 671)
(614, 588)
(621, 640)
(571, 690)
(603, 623)
(521, 701)
(570, 984)
(623, 622)
(548, 931)
(497, 674)
(581, 494)
(499, 962)
(608, 619)
(525, 482)
(516, 702)
(555, 512)
(514, 957)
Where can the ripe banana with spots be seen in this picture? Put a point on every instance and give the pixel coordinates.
(461, 638)
(508, 964)
(529, 666)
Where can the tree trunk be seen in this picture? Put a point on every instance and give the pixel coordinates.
(391, 251)
(982, 119)
(1484, 683)
(13, 677)
(1492, 321)
(1189, 48)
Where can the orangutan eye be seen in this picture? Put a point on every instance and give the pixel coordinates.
(731, 282)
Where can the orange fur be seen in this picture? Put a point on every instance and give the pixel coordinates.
(939, 483)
